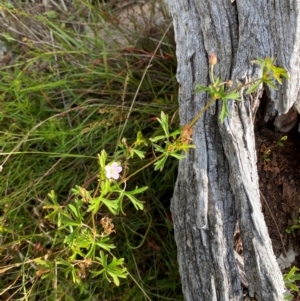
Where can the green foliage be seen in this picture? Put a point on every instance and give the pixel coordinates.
(266, 155)
(113, 269)
(217, 89)
(81, 240)
(270, 74)
(282, 141)
(289, 280)
(65, 97)
(173, 144)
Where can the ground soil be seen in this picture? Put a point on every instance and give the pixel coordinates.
(278, 163)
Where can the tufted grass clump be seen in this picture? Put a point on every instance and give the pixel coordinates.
(76, 79)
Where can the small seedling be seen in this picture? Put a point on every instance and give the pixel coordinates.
(289, 280)
(266, 155)
(282, 141)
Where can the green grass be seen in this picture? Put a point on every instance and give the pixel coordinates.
(65, 96)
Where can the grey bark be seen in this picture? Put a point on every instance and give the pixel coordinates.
(217, 184)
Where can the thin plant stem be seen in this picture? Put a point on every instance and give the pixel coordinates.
(145, 166)
(201, 112)
(211, 74)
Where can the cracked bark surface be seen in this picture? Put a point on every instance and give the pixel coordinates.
(217, 183)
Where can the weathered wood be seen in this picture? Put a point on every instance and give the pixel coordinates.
(217, 183)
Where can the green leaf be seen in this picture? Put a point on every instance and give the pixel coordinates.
(200, 89)
(217, 81)
(104, 245)
(253, 87)
(82, 192)
(51, 14)
(105, 186)
(70, 239)
(295, 277)
(102, 158)
(139, 153)
(120, 200)
(155, 139)
(159, 148)
(224, 112)
(136, 203)
(215, 92)
(278, 73)
(288, 297)
(140, 139)
(270, 84)
(292, 286)
(271, 72)
(112, 270)
(74, 210)
(66, 221)
(159, 165)
(112, 205)
(177, 156)
(164, 122)
(186, 146)
(9, 5)
(291, 272)
(92, 250)
(53, 197)
(139, 190)
(232, 96)
(176, 132)
(290, 278)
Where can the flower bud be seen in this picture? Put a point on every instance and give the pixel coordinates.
(213, 59)
(229, 83)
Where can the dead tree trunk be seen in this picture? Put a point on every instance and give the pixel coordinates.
(217, 185)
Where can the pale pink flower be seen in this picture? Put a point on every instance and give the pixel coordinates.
(113, 170)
